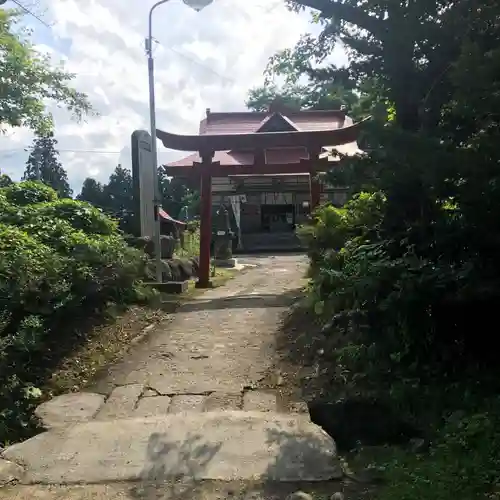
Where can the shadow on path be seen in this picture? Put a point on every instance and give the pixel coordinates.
(295, 463)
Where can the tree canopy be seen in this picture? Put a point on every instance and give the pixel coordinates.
(28, 81)
(408, 51)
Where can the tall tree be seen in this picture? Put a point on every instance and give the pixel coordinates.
(28, 81)
(409, 48)
(118, 192)
(43, 164)
(92, 192)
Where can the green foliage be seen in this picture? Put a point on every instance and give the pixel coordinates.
(116, 198)
(59, 260)
(27, 193)
(28, 81)
(409, 281)
(462, 463)
(315, 95)
(81, 216)
(5, 180)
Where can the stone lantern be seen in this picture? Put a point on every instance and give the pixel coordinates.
(222, 237)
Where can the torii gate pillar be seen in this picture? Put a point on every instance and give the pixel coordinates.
(205, 220)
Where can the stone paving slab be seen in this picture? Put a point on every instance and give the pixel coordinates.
(68, 409)
(152, 406)
(197, 446)
(222, 402)
(186, 402)
(121, 402)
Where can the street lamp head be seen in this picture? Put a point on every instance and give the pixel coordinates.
(198, 5)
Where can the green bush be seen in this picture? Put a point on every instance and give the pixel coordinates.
(27, 193)
(81, 215)
(59, 259)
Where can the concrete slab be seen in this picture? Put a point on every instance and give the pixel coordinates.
(121, 402)
(198, 446)
(68, 409)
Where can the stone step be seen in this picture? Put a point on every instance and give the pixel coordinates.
(135, 400)
(272, 241)
(225, 446)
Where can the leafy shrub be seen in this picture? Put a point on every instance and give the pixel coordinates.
(59, 259)
(28, 193)
(81, 215)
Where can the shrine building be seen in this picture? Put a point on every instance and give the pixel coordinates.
(267, 206)
(267, 166)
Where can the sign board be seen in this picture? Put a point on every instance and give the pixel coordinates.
(143, 177)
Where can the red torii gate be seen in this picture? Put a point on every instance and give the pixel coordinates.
(208, 144)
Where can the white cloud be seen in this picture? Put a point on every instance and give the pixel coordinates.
(205, 59)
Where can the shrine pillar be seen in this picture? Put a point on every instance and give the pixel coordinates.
(205, 221)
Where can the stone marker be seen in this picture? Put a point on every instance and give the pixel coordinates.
(121, 402)
(220, 446)
(69, 409)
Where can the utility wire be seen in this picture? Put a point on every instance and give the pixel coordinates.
(6, 152)
(31, 13)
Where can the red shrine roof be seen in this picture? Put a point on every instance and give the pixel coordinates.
(270, 121)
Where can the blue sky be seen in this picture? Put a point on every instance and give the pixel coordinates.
(206, 59)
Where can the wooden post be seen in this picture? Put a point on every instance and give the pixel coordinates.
(205, 223)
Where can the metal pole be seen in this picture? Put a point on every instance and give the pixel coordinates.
(152, 118)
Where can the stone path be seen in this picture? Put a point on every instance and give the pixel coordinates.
(183, 404)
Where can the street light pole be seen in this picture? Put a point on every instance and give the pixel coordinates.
(196, 5)
(152, 123)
